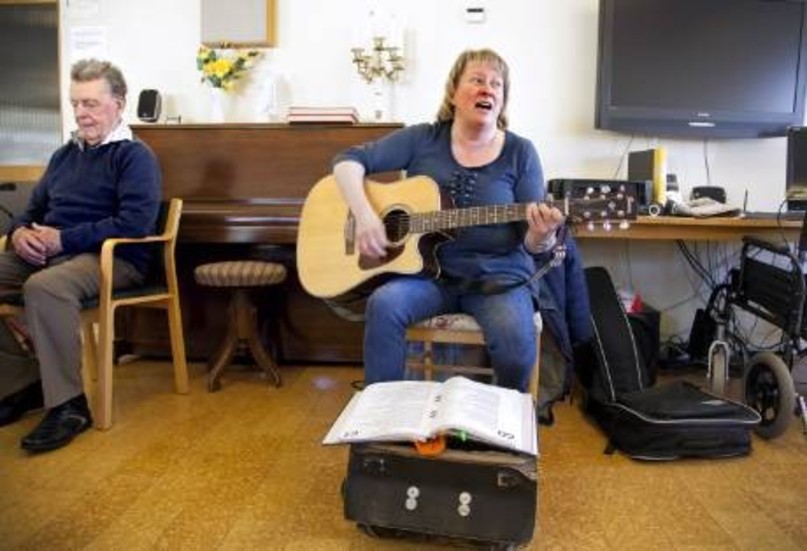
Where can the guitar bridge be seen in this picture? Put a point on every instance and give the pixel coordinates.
(350, 234)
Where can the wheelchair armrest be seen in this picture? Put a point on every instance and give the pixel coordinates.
(766, 245)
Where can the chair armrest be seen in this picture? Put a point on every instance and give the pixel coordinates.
(108, 251)
(171, 210)
(108, 247)
(113, 242)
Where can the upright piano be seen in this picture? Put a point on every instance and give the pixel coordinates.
(243, 187)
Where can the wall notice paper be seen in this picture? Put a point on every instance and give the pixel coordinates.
(418, 410)
(83, 8)
(86, 42)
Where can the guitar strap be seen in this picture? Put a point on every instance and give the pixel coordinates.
(488, 287)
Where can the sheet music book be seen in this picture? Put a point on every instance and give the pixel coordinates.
(418, 410)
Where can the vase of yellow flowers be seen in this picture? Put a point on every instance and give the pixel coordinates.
(217, 100)
(222, 69)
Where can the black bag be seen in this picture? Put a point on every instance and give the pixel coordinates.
(484, 495)
(669, 421)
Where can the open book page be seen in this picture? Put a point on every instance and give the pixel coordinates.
(498, 416)
(416, 410)
(386, 411)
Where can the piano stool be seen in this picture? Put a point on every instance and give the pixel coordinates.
(239, 277)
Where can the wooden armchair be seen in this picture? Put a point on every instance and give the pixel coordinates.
(160, 290)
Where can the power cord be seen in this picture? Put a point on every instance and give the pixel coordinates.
(7, 186)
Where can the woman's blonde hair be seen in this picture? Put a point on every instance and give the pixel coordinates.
(485, 55)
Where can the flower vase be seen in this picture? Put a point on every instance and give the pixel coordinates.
(380, 101)
(217, 100)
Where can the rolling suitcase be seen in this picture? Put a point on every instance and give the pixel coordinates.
(483, 495)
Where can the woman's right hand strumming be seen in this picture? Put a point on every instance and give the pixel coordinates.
(371, 237)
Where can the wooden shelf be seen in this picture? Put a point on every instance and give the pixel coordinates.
(672, 228)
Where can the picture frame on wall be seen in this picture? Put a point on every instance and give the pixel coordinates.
(238, 23)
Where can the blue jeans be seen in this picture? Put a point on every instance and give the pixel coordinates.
(506, 320)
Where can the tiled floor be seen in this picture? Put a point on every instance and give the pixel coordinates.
(244, 469)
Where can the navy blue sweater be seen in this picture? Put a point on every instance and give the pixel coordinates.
(112, 190)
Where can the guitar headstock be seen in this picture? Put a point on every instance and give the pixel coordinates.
(603, 206)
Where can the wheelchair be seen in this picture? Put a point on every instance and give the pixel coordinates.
(769, 284)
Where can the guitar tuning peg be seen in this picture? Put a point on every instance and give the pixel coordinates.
(606, 225)
(590, 225)
(624, 225)
(606, 189)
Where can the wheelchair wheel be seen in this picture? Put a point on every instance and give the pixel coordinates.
(769, 390)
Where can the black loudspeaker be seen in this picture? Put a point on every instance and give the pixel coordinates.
(712, 192)
(148, 106)
(701, 336)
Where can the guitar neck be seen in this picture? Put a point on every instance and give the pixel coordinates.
(437, 220)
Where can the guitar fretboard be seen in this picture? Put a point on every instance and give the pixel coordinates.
(425, 222)
(471, 216)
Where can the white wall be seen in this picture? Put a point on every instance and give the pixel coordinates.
(549, 44)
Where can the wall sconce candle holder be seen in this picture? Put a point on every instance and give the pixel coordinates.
(382, 61)
(379, 67)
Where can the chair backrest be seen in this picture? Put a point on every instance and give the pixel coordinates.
(167, 226)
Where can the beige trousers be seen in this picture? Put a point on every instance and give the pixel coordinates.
(53, 296)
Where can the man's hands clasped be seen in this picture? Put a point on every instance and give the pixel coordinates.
(37, 243)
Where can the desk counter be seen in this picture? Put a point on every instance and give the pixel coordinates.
(671, 228)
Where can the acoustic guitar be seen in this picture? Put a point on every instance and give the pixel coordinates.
(328, 261)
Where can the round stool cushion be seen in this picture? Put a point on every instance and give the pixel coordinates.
(240, 273)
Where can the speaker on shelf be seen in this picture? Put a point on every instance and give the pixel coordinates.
(148, 105)
(650, 164)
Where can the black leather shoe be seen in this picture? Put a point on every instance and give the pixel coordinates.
(60, 425)
(14, 406)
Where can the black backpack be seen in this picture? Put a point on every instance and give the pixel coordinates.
(669, 421)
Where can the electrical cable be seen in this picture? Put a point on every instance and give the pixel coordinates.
(622, 158)
(7, 186)
(706, 161)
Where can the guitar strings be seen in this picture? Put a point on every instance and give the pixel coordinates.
(403, 222)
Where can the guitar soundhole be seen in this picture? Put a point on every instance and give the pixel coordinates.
(396, 224)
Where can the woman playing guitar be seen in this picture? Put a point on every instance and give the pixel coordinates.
(475, 161)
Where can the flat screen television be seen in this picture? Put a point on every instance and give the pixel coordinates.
(702, 68)
(796, 182)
